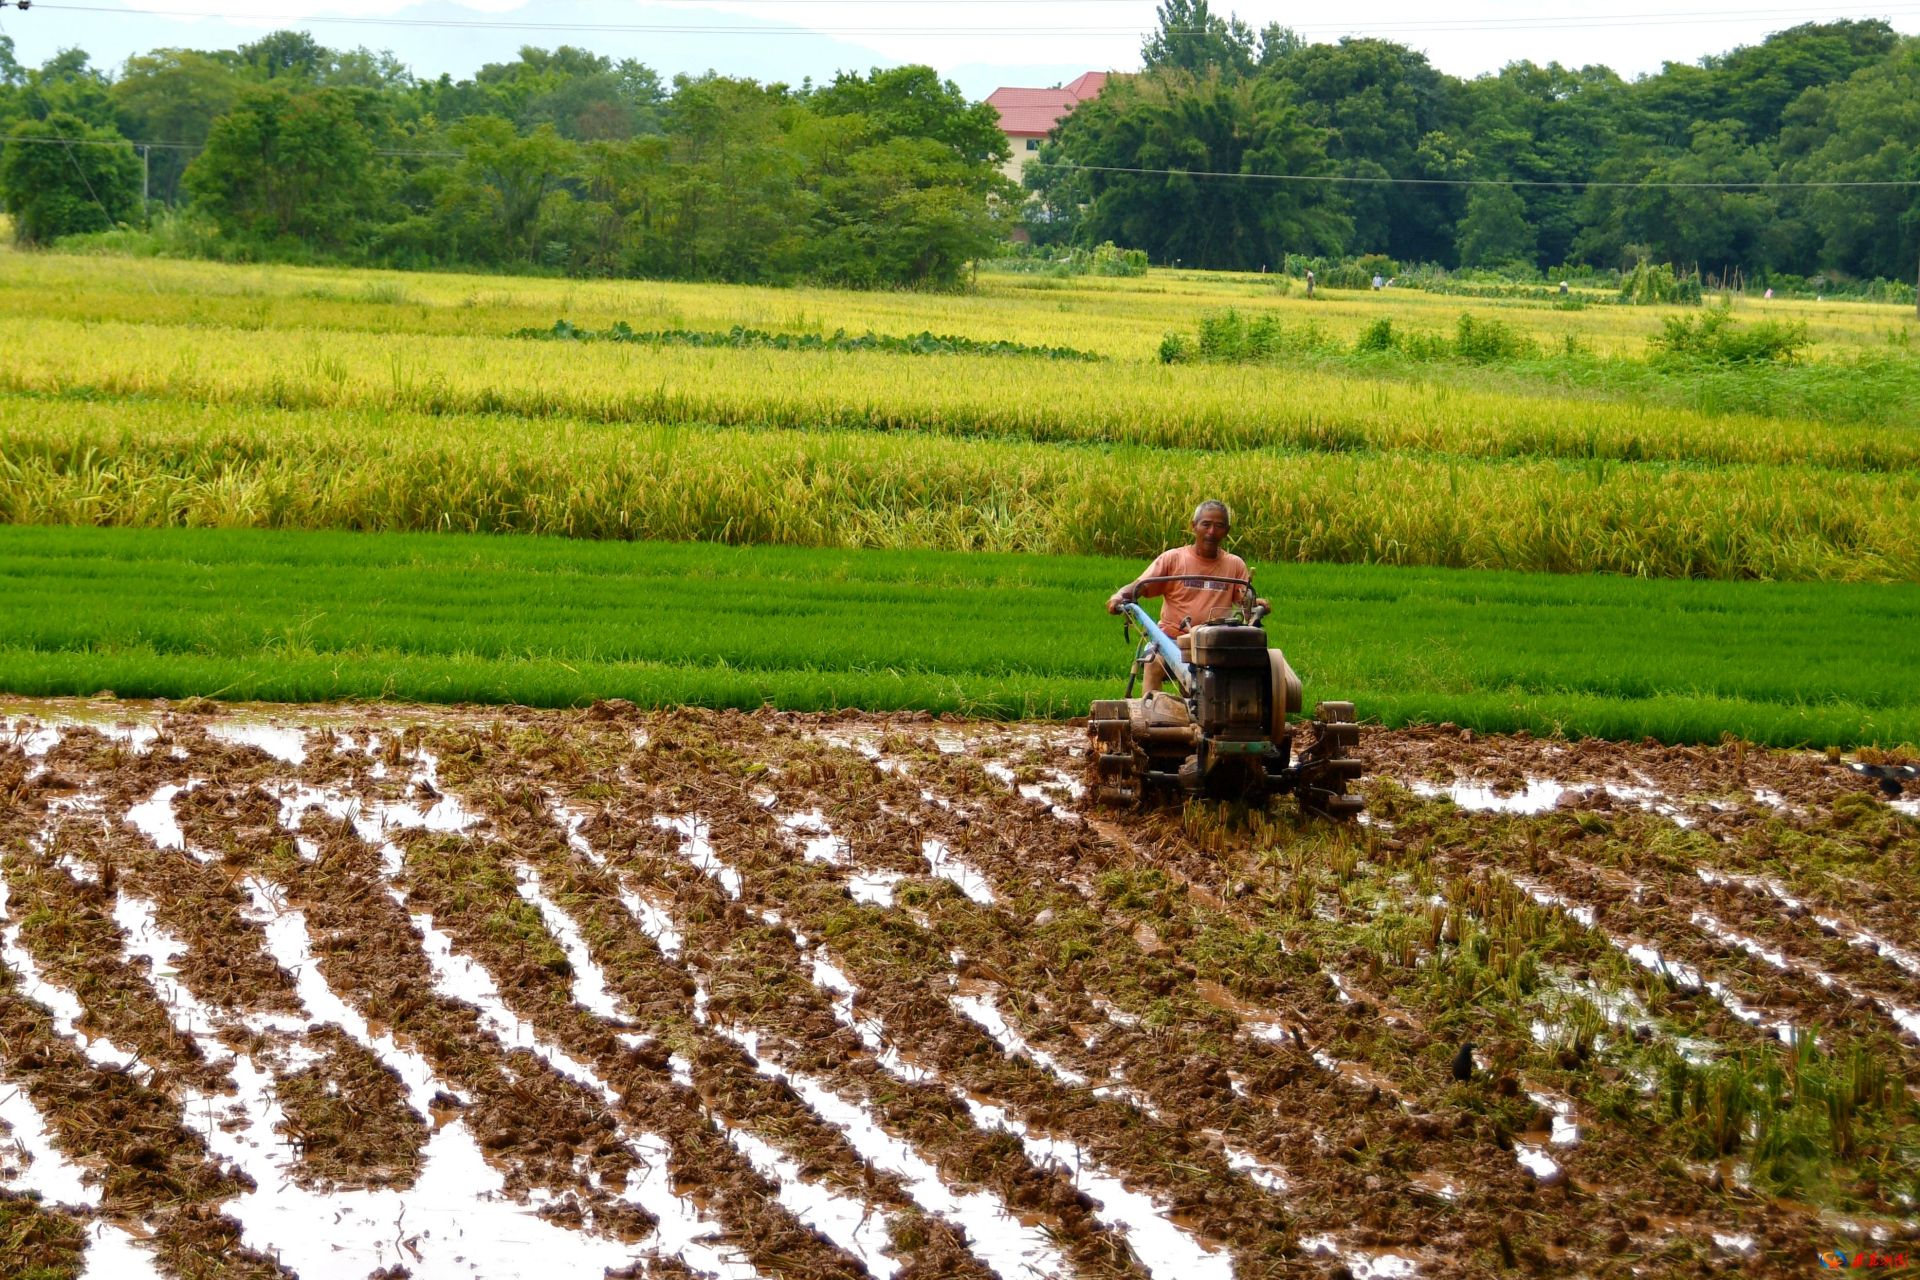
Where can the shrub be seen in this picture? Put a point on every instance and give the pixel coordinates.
(1484, 341)
(1230, 337)
(1111, 260)
(1378, 336)
(1717, 338)
(1650, 284)
(1106, 259)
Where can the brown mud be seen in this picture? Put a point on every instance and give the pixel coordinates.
(1432, 1042)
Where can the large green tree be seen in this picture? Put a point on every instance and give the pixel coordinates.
(292, 55)
(1547, 126)
(1386, 113)
(62, 176)
(502, 186)
(1202, 131)
(913, 102)
(1864, 130)
(291, 164)
(1495, 231)
(1191, 37)
(1679, 214)
(66, 84)
(1761, 80)
(173, 96)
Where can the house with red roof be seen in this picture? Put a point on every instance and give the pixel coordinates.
(1028, 115)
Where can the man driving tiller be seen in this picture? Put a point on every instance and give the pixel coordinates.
(1187, 604)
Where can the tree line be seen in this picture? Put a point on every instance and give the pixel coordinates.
(569, 161)
(1502, 161)
(562, 159)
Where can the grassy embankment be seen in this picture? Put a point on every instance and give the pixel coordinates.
(304, 616)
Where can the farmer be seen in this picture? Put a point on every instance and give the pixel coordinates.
(1186, 604)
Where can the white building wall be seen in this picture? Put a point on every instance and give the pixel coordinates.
(1016, 164)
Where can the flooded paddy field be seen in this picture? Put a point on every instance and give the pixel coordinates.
(357, 992)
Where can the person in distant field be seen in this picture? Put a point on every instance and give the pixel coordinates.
(1379, 283)
(1563, 288)
(1185, 605)
(1309, 284)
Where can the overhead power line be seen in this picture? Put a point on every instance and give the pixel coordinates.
(1424, 25)
(1385, 180)
(1352, 179)
(201, 146)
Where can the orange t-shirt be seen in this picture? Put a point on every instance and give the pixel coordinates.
(1199, 601)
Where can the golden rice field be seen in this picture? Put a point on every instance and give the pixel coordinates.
(1123, 318)
(190, 393)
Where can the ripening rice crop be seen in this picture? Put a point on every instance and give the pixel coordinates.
(138, 463)
(1142, 402)
(277, 398)
(1121, 318)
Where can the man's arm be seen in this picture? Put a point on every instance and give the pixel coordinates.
(1133, 590)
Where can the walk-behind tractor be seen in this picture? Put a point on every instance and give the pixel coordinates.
(1218, 728)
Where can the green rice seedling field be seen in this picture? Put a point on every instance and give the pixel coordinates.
(298, 617)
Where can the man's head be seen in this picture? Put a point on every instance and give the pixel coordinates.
(1211, 524)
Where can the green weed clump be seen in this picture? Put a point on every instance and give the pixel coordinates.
(1650, 283)
(1230, 337)
(1235, 338)
(1105, 259)
(1798, 1115)
(739, 338)
(1717, 338)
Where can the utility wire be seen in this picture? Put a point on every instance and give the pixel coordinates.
(1474, 182)
(1352, 179)
(201, 146)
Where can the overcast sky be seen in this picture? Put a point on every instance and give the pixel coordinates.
(979, 43)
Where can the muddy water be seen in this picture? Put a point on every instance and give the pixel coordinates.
(431, 1227)
(1452, 1199)
(995, 1236)
(65, 1007)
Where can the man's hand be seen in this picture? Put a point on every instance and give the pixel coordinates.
(1119, 599)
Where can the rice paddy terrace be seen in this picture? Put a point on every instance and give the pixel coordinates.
(451, 992)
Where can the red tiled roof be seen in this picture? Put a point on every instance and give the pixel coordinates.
(1036, 111)
(1088, 85)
